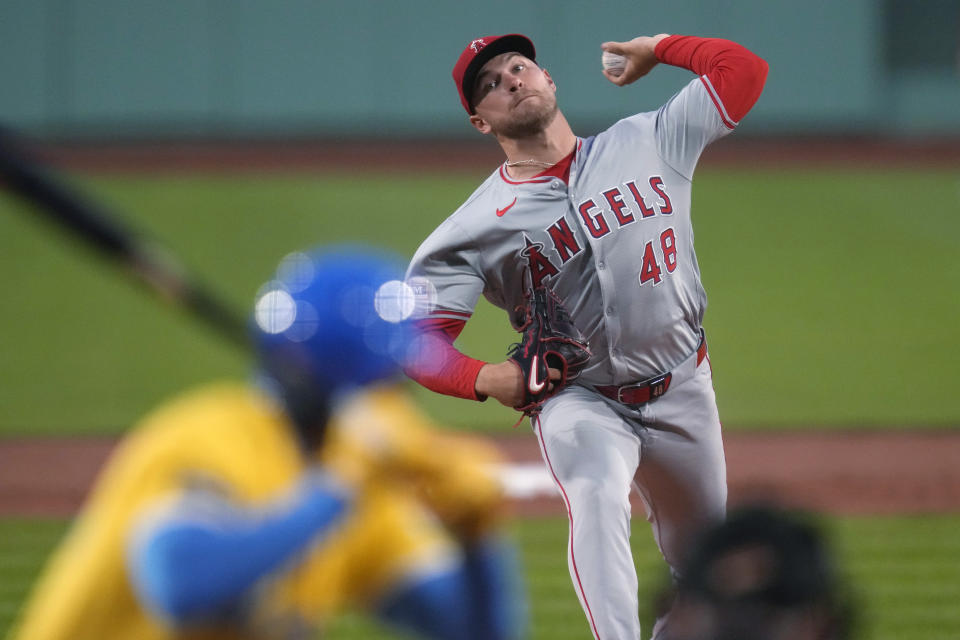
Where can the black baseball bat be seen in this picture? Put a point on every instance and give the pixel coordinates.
(152, 264)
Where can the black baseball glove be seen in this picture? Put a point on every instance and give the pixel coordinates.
(549, 339)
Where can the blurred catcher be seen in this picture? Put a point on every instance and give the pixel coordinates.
(261, 510)
(763, 574)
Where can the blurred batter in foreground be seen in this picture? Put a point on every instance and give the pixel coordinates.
(261, 510)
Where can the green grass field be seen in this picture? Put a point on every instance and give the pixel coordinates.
(902, 571)
(833, 294)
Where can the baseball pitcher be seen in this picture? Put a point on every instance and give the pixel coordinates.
(599, 227)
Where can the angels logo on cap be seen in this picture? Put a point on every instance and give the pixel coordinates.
(477, 53)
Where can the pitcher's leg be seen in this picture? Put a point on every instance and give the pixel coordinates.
(682, 474)
(593, 455)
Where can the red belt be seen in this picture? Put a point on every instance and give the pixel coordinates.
(648, 390)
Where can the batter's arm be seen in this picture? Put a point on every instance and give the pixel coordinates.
(191, 557)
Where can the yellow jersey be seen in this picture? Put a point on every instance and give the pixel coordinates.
(423, 490)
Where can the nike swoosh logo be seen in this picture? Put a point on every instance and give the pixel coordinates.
(534, 385)
(500, 212)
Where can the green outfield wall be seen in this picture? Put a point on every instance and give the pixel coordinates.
(226, 68)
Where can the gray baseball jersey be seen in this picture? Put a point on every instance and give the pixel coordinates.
(616, 244)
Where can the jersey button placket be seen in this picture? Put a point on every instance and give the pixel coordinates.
(616, 352)
(609, 319)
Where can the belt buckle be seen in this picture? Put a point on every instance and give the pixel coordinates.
(630, 387)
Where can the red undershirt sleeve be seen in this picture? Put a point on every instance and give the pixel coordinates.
(736, 73)
(440, 366)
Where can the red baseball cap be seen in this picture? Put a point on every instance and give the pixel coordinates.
(478, 52)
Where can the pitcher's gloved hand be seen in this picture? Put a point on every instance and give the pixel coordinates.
(549, 340)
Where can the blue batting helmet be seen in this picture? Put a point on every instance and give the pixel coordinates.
(333, 319)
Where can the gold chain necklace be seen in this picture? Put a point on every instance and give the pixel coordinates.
(531, 161)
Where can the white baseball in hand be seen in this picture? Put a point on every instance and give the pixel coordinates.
(614, 63)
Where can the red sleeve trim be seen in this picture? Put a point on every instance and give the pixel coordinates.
(724, 116)
(441, 314)
(735, 74)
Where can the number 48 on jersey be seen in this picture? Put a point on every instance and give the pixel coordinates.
(654, 261)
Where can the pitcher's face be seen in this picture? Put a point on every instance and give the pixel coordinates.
(513, 97)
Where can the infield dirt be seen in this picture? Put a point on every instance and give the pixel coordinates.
(876, 472)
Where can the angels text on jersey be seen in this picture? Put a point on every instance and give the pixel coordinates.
(605, 213)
